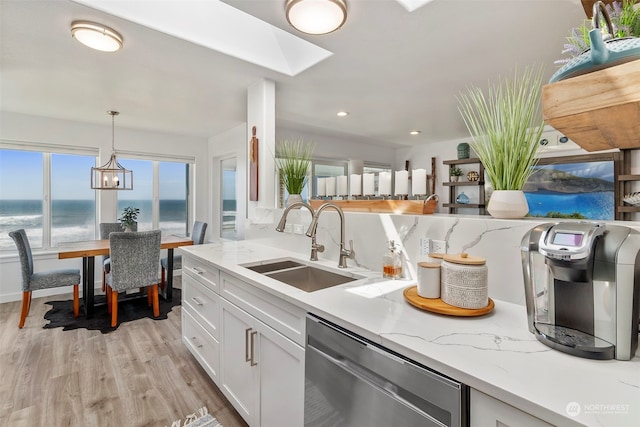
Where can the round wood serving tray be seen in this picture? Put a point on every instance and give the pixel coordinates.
(436, 305)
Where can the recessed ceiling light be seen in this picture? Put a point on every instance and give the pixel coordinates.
(414, 132)
(316, 16)
(96, 36)
(343, 113)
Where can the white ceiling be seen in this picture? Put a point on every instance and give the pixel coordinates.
(392, 69)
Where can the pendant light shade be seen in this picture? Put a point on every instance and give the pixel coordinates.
(96, 36)
(112, 175)
(316, 16)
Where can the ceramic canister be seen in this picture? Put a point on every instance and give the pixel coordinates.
(464, 281)
(429, 279)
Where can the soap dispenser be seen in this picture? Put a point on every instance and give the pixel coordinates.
(392, 263)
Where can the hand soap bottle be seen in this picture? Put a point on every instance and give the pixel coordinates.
(392, 263)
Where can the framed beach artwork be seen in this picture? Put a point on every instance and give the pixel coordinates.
(582, 187)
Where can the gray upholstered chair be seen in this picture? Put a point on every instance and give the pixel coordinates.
(135, 258)
(107, 228)
(42, 280)
(197, 235)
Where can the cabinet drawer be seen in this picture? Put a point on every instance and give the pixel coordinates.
(488, 411)
(206, 274)
(282, 316)
(204, 347)
(202, 303)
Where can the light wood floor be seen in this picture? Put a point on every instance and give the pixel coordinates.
(138, 375)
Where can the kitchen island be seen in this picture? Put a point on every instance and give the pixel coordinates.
(493, 354)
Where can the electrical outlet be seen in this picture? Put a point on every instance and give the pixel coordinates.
(288, 228)
(438, 246)
(424, 246)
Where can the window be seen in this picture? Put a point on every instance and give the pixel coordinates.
(40, 192)
(164, 182)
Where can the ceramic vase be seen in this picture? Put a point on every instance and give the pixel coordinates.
(293, 198)
(508, 204)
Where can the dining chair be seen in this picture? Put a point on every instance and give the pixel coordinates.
(197, 235)
(41, 280)
(134, 264)
(107, 228)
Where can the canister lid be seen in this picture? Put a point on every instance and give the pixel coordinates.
(464, 258)
(436, 255)
(428, 265)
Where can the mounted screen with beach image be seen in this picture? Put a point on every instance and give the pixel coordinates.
(581, 187)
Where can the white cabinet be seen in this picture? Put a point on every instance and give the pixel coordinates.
(486, 411)
(262, 371)
(249, 342)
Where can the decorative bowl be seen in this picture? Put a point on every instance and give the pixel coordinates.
(473, 176)
(632, 199)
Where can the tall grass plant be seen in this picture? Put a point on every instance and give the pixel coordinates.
(293, 160)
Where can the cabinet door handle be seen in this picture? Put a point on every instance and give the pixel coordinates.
(253, 336)
(197, 300)
(246, 345)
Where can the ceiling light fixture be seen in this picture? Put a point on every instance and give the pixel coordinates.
(414, 132)
(96, 36)
(316, 16)
(111, 175)
(342, 113)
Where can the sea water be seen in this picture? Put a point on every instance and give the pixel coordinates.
(74, 220)
(595, 206)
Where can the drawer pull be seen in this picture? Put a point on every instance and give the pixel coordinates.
(196, 343)
(197, 300)
(253, 336)
(246, 345)
(198, 270)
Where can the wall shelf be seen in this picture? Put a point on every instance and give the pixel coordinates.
(453, 186)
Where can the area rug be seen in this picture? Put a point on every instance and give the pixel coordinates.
(200, 418)
(61, 313)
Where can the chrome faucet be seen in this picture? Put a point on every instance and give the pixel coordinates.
(315, 248)
(311, 232)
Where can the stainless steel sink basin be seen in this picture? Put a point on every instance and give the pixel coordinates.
(304, 277)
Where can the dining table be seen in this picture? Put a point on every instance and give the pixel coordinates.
(89, 249)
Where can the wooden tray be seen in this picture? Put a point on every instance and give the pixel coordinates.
(436, 305)
(418, 207)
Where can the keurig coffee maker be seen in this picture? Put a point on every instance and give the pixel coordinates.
(582, 288)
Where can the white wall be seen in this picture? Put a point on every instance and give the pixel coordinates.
(20, 127)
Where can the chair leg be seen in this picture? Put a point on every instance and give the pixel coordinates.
(156, 303)
(114, 309)
(76, 301)
(162, 278)
(149, 295)
(26, 304)
(104, 280)
(108, 291)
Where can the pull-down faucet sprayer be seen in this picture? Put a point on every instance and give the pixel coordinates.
(315, 248)
(311, 232)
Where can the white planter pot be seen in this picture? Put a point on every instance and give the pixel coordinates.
(508, 204)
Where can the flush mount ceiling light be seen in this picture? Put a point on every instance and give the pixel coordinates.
(96, 36)
(342, 113)
(414, 132)
(111, 175)
(316, 16)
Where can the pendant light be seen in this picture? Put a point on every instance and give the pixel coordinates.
(316, 16)
(111, 175)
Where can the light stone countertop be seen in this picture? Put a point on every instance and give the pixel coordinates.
(494, 354)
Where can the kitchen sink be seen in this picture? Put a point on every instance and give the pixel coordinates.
(302, 276)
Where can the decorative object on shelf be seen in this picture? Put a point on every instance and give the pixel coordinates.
(419, 182)
(293, 159)
(463, 150)
(415, 207)
(129, 217)
(112, 175)
(455, 173)
(599, 54)
(316, 16)
(462, 198)
(632, 199)
(253, 166)
(506, 131)
(473, 176)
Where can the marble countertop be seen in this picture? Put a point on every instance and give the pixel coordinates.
(494, 354)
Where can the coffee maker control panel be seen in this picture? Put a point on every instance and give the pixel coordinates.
(570, 241)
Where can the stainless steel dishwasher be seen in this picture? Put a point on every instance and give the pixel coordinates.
(351, 381)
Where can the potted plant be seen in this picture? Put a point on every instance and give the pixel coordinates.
(293, 160)
(455, 173)
(506, 126)
(129, 217)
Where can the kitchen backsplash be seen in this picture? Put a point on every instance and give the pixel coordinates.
(498, 241)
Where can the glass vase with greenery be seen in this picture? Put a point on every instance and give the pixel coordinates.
(293, 160)
(506, 126)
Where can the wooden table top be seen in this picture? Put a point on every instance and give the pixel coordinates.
(88, 248)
